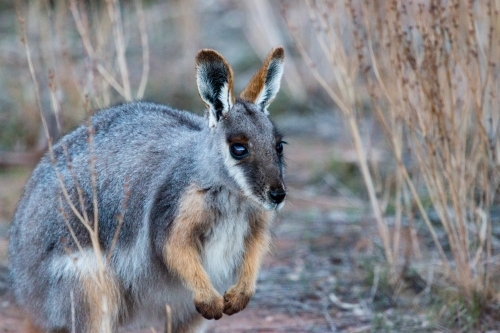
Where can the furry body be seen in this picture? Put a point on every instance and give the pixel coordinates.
(190, 232)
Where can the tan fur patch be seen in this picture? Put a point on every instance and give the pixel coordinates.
(181, 252)
(256, 246)
(210, 56)
(237, 139)
(104, 300)
(256, 84)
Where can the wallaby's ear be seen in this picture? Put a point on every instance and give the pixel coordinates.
(214, 77)
(265, 84)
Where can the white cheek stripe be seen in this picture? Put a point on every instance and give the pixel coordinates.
(237, 174)
(239, 177)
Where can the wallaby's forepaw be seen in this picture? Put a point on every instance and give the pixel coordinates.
(235, 300)
(210, 307)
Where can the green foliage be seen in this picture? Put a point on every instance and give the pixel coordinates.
(451, 309)
(383, 297)
(16, 132)
(348, 174)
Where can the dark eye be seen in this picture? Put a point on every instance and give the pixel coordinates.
(279, 147)
(238, 151)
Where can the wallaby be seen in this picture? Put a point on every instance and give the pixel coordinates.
(202, 192)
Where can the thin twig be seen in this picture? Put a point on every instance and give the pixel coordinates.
(117, 25)
(168, 322)
(145, 48)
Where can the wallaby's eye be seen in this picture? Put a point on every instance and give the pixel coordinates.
(238, 151)
(279, 147)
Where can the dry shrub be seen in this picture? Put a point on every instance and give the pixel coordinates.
(429, 71)
(79, 53)
(82, 47)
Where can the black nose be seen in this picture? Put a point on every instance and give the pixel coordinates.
(277, 196)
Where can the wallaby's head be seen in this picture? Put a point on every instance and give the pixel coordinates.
(251, 147)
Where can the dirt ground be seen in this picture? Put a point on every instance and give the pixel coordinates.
(317, 277)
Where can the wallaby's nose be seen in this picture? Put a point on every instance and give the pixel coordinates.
(277, 196)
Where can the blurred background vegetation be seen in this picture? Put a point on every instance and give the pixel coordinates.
(399, 99)
(73, 63)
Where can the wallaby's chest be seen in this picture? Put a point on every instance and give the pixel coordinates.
(224, 243)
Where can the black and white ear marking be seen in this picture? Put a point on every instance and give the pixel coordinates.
(214, 77)
(265, 84)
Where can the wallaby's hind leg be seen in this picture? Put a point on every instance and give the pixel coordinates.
(85, 298)
(107, 297)
(30, 327)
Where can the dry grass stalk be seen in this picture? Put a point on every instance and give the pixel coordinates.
(100, 278)
(91, 223)
(168, 323)
(98, 53)
(430, 71)
(141, 20)
(445, 100)
(344, 72)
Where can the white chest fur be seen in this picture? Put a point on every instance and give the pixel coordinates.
(224, 249)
